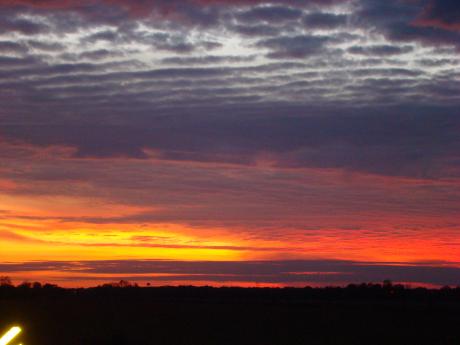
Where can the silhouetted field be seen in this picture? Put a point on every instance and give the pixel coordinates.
(368, 314)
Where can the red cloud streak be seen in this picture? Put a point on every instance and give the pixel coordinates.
(143, 6)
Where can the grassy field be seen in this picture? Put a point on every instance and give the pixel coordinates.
(370, 315)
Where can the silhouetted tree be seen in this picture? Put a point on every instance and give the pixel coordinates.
(5, 281)
(387, 284)
(120, 284)
(25, 285)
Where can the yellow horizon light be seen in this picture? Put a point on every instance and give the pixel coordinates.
(10, 335)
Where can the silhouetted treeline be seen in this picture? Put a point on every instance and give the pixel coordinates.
(125, 314)
(387, 290)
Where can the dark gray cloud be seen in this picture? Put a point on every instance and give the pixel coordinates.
(323, 272)
(207, 59)
(399, 21)
(259, 30)
(9, 47)
(45, 46)
(10, 23)
(380, 50)
(442, 13)
(320, 20)
(398, 145)
(109, 36)
(438, 62)
(99, 54)
(11, 61)
(272, 14)
(296, 47)
(192, 12)
(387, 72)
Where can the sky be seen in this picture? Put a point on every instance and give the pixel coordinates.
(248, 142)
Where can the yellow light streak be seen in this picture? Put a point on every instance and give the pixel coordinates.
(10, 335)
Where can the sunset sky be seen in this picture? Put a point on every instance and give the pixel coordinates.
(248, 142)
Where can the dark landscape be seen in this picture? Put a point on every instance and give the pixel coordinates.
(118, 314)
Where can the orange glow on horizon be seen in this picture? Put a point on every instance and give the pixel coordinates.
(25, 240)
(57, 227)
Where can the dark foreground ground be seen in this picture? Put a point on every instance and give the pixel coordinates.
(355, 315)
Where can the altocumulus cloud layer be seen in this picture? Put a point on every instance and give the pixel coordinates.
(232, 129)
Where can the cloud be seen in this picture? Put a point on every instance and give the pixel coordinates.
(271, 120)
(288, 273)
(271, 14)
(207, 59)
(10, 61)
(12, 47)
(8, 23)
(45, 46)
(321, 20)
(400, 144)
(99, 54)
(135, 242)
(380, 50)
(109, 36)
(444, 14)
(194, 12)
(256, 30)
(293, 47)
(400, 21)
(11, 236)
